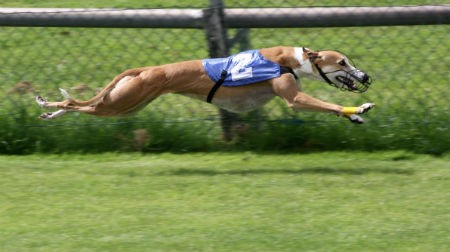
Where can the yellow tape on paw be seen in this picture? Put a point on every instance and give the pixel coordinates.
(349, 111)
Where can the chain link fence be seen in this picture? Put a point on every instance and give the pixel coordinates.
(409, 65)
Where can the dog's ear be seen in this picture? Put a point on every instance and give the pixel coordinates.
(306, 50)
(312, 55)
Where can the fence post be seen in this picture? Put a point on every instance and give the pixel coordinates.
(216, 34)
(242, 40)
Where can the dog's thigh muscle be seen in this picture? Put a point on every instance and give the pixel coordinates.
(132, 92)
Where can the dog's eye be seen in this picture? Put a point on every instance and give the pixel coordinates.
(342, 63)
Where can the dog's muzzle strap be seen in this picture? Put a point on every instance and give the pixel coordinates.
(216, 86)
(323, 75)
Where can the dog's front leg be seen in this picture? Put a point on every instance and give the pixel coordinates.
(287, 88)
(303, 101)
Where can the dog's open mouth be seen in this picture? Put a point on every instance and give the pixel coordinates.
(349, 83)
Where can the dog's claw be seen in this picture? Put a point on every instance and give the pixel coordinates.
(46, 116)
(365, 107)
(52, 115)
(356, 119)
(41, 101)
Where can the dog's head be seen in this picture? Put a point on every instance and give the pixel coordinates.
(336, 69)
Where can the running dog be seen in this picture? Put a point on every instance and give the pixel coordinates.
(240, 83)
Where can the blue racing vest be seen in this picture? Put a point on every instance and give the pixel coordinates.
(243, 68)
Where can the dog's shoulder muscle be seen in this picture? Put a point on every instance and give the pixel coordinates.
(283, 55)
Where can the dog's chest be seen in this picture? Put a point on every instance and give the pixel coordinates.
(244, 102)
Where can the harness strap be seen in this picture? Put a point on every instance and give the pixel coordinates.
(284, 70)
(216, 86)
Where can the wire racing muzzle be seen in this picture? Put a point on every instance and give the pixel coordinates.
(355, 80)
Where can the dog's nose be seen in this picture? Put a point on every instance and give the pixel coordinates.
(365, 78)
(360, 76)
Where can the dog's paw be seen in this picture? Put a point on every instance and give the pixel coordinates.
(52, 115)
(46, 116)
(356, 119)
(41, 101)
(365, 107)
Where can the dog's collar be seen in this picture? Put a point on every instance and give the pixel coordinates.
(284, 70)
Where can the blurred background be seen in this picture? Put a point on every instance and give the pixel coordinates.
(409, 65)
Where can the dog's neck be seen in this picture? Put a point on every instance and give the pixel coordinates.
(306, 68)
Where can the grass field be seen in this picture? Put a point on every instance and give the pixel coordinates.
(332, 201)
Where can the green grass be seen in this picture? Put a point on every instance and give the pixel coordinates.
(330, 201)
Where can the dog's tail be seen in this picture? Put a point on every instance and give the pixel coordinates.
(104, 92)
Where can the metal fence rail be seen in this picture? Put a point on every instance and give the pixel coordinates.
(235, 18)
(44, 49)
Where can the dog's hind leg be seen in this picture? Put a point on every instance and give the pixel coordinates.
(45, 104)
(64, 106)
(104, 92)
(132, 93)
(124, 95)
